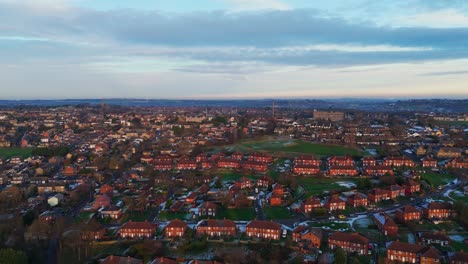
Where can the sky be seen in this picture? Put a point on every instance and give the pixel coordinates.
(221, 49)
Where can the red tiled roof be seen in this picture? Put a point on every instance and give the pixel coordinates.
(440, 205)
(177, 224)
(431, 253)
(218, 223)
(263, 225)
(349, 237)
(405, 247)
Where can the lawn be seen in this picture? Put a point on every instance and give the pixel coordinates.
(10, 152)
(83, 217)
(291, 146)
(277, 213)
(236, 214)
(167, 215)
(453, 123)
(437, 179)
(137, 216)
(303, 147)
(314, 186)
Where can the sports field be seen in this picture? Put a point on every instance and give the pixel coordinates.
(10, 152)
(437, 179)
(314, 186)
(293, 146)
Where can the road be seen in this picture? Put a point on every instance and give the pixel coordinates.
(259, 207)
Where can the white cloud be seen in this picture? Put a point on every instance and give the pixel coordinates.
(258, 4)
(446, 18)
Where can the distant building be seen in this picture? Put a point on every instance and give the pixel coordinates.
(328, 115)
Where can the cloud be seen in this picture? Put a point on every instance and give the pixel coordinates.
(446, 18)
(258, 4)
(285, 37)
(443, 73)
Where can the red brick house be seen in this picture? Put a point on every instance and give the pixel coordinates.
(260, 157)
(106, 189)
(369, 161)
(146, 158)
(278, 189)
(376, 195)
(207, 164)
(307, 160)
(102, 201)
(229, 163)
(398, 162)
(207, 209)
(356, 200)
(237, 156)
(263, 229)
(308, 237)
(162, 165)
(342, 170)
(335, 203)
(186, 164)
(349, 242)
(431, 256)
(244, 183)
(176, 206)
(385, 224)
(175, 228)
(438, 210)
(137, 230)
(395, 191)
(429, 163)
(310, 204)
(191, 197)
(407, 213)
(216, 228)
(92, 231)
(201, 157)
(163, 158)
(378, 170)
(458, 163)
(254, 166)
(111, 211)
(411, 187)
(276, 199)
(265, 181)
(401, 252)
(341, 161)
(301, 169)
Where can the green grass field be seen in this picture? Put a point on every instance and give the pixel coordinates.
(314, 186)
(10, 152)
(167, 215)
(277, 213)
(236, 214)
(437, 179)
(292, 146)
(452, 123)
